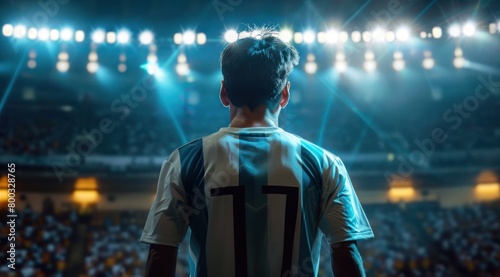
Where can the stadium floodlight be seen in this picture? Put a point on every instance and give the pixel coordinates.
(321, 37)
(79, 36)
(340, 56)
(31, 64)
(458, 52)
(189, 37)
(390, 36)
(286, 35)
(370, 65)
(492, 28)
(152, 58)
(122, 58)
(298, 37)
(403, 33)
(309, 36)
(201, 38)
(98, 36)
(341, 66)
(398, 63)
(32, 54)
(182, 69)
(332, 36)
(454, 31)
(8, 30)
(356, 36)
(122, 67)
(311, 66)
(379, 34)
(340, 62)
(19, 31)
(32, 33)
(92, 67)
(63, 56)
(62, 66)
(43, 34)
(178, 38)
(423, 35)
(437, 32)
(459, 62)
(428, 62)
(66, 34)
(343, 37)
(469, 29)
(54, 34)
(110, 37)
(369, 55)
(182, 58)
(231, 36)
(93, 57)
(123, 36)
(146, 37)
(367, 36)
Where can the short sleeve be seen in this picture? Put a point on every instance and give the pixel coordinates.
(165, 223)
(342, 217)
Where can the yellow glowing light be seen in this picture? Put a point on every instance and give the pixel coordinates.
(85, 196)
(402, 193)
(3, 189)
(86, 184)
(487, 191)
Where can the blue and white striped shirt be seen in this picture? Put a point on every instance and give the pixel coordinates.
(257, 201)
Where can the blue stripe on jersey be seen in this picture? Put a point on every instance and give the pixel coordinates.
(192, 176)
(312, 183)
(253, 174)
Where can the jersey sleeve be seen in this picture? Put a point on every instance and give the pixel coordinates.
(165, 223)
(342, 217)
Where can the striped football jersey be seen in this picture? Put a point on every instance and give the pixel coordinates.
(257, 202)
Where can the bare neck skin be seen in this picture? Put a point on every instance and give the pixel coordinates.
(260, 117)
(243, 117)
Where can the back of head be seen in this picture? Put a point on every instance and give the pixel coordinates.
(255, 69)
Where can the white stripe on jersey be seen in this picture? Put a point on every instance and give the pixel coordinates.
(205, 177)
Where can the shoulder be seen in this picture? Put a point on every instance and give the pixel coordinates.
(317, 153)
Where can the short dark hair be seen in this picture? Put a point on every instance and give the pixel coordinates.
(256, 68)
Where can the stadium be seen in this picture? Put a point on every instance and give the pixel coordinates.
(95, 95)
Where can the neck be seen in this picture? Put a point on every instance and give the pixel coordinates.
(260, 117)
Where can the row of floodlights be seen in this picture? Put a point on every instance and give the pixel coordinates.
(124, 36)
(183, 69)
(370, 63)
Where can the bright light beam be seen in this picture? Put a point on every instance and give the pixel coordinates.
(8, 90)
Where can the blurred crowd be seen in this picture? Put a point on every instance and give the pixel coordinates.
(470, 236)
(157, 134)
(43, 242)
(112, 247)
